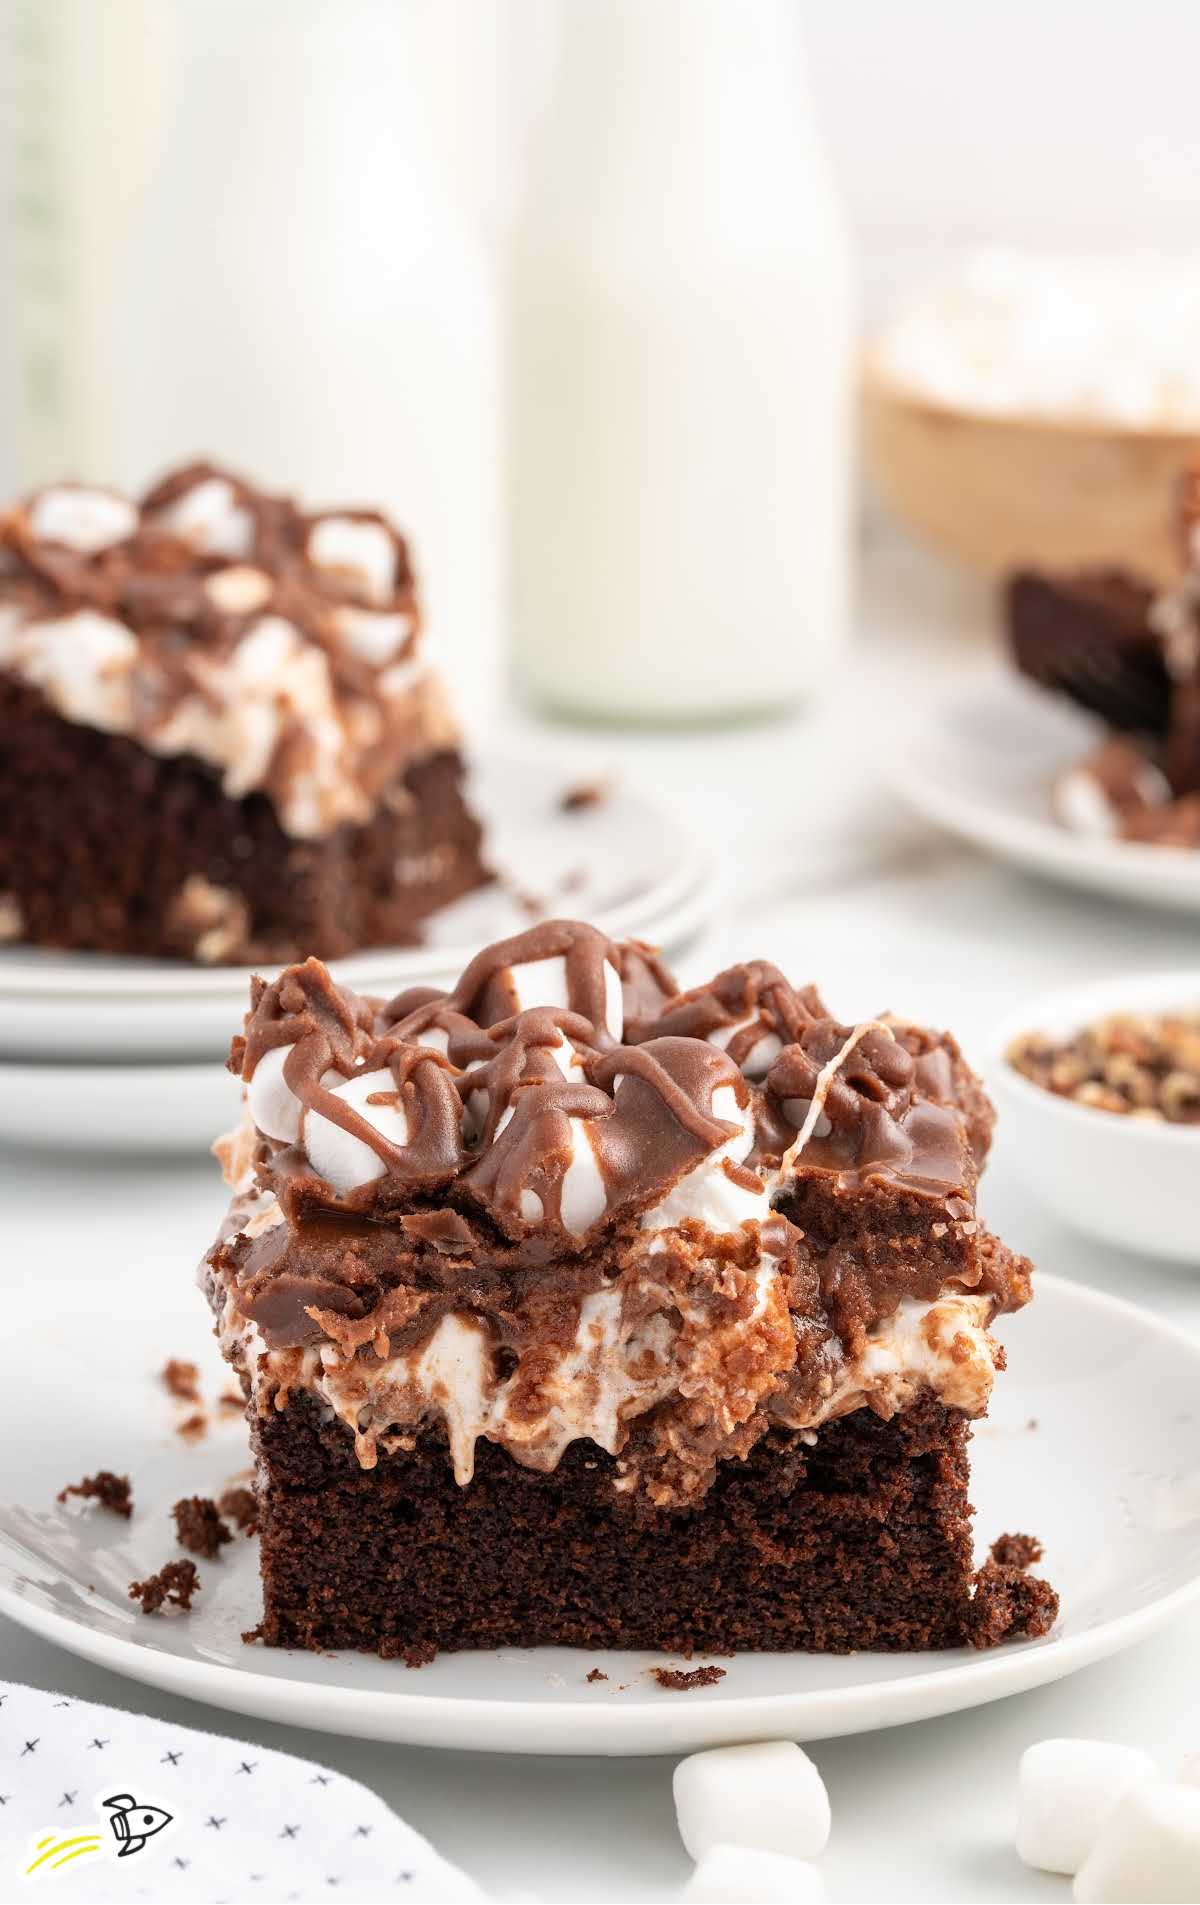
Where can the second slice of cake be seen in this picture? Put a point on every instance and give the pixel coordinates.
(220, 738)
(571, 1308)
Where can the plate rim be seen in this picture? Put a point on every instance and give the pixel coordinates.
(1141, 868)
(692, 871)
(639, 1727)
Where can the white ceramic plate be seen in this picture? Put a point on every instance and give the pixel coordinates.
(982, 766)
(168, 1109)
(144, 1109)
(624, 863)
(1094, 1445)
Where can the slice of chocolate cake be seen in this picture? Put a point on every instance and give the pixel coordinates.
(573, 1309)
(219, 738)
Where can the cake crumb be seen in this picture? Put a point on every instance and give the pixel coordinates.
(676, 1682)
(113, 1492)
(586, 794)
(199, 1527)
(176, 1583)
(231, 1401)
(1016, 1551)
(181, 1379)
(193, 1427)
(597, 1675)
(1009, 1604)
(239, 1506)
(420, 1654)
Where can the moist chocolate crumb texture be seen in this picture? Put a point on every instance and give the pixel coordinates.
(219, 736)
(570, 1307)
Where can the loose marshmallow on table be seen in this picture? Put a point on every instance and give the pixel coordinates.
(1066, 1790)
(742, 1875)
(768, 1796)
(1148, 1849)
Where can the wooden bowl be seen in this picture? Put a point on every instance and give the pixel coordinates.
(1003, 492)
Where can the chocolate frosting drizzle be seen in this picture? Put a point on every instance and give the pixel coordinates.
(524, 1103)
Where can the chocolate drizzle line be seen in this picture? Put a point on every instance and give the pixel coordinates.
(496, 1120)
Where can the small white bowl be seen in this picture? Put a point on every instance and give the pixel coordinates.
(1130, 1182)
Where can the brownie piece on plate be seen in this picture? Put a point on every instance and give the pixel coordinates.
(571, 1308)
(219, 737)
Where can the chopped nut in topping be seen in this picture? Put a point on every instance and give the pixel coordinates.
(1142, 1066)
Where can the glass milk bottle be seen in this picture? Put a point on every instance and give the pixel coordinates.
(681, 362)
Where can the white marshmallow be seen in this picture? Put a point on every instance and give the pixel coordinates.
(742, 1875)
(83, 663)
(1065, 1791)
(762, 1054)
(210, 517)
(1147, 1849)
(363, 550)
(769, 1796)
(706, 1193)
(85, 519)
(584, 1195)
(373, 637)
(238, 590)
(273, 1105)
(343, 1160)
(544, 982)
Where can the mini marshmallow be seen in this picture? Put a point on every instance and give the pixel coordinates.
(744, 1875)
(1147, 1849)
(210, 517)
(375, 638)
(583, 1197)
(343, 1160)
(273, 1105)
(238, 590)
(544, 982)
(1065, 1791)
(85, 519)
(767, 1796)
(363, 550)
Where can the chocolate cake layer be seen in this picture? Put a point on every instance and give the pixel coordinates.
(1090, 635)
(861, 1540)
(111, 848)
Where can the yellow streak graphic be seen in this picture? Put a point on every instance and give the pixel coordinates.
(86, 1842)
(77, 1854)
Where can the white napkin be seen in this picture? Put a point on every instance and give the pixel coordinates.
(245, 1823)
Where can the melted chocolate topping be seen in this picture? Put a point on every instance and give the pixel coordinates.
(538, 1119)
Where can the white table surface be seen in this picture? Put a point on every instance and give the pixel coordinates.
(824, 875)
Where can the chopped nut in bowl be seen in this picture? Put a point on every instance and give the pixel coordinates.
(1100, 1098)
(1141, 1064)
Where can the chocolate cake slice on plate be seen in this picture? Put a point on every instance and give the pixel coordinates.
(219, 737)
(574, 1309)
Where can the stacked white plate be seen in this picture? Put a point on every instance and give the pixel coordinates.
(108, 1053)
